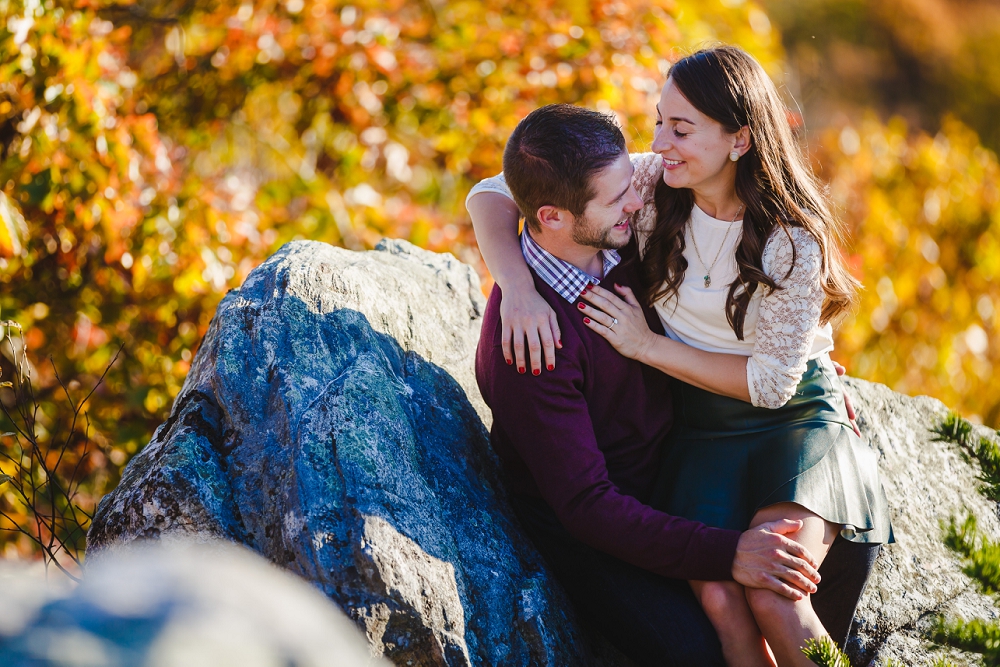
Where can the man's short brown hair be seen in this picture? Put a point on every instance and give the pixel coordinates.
(553, 154)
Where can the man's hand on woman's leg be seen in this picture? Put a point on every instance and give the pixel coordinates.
(766, 558)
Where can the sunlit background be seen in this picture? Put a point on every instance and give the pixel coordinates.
(155, 152)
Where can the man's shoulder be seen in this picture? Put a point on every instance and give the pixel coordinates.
(543, 288)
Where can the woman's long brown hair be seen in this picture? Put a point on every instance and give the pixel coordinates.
(773, 181)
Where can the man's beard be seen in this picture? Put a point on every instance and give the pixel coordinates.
(585, 235)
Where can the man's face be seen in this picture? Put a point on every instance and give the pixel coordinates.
(604, 223)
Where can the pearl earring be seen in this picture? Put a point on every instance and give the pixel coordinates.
(734, 156)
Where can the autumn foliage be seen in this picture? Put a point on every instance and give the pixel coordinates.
(925, 219)
(153, 153)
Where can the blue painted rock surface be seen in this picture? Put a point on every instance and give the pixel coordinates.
(331, 422)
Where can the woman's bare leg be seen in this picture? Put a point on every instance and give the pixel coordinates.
(726, 606)
(788, 624)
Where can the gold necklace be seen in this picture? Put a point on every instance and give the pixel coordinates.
(708, 269)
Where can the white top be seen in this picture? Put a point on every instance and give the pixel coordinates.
(781, 332)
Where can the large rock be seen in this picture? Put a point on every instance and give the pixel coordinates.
(331, 422)
(927, 483)
(175, 604)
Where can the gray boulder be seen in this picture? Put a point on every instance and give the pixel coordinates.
(927, 482)
(332, 423)
(175, 603)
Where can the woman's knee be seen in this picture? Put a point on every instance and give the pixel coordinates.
(767, 605)
(718, 598)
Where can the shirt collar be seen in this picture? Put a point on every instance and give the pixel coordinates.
(567, 280)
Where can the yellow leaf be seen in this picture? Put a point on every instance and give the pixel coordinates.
(12, 228)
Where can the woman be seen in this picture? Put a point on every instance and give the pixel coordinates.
(761, 430)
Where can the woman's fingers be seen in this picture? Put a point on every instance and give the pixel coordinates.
(556, 331)
(599, 322)
(604, 300)
(602, 328)
(597, 315)
(529, 330)
(621, 323)
(628, 295)
(548, 347)
(552, 341)
(851, 414)
(518, 345)
(534, 351)
(506, 337)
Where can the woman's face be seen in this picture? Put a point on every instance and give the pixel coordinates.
(695, 148)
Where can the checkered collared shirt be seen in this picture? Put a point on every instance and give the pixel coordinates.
(562, 276)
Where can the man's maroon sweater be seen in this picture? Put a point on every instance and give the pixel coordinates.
(587, 438)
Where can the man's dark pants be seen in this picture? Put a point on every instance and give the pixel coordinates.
(657, 621)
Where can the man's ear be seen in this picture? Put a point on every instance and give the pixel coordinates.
(554, 218)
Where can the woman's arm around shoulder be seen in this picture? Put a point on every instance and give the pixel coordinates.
(524, 314)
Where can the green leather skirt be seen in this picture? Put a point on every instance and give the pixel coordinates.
(727, 459)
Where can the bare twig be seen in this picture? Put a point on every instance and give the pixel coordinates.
(50, 516)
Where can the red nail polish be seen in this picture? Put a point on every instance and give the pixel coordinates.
(509, 361)
(551, 367)
(520, 369)
(586, 320)
(560, 343)
(581, 306)
(535, 371)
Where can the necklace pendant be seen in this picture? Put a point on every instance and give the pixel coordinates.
(708, 280)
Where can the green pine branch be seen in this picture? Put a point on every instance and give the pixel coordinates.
(954, 428)
(982, 564)
(825, 653)
(982, 556)
(975, 636)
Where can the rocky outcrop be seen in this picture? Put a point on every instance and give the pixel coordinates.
(175, 604)
(927, 482)
(331, 422)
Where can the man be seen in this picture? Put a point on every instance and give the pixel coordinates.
(581, 444)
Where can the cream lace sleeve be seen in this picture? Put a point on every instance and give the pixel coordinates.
(788, 318)
(648, 172)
